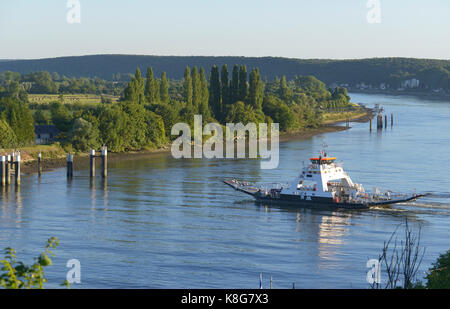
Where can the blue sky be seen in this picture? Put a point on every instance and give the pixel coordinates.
(286, 28)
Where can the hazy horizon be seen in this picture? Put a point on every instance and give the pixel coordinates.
(219, 56)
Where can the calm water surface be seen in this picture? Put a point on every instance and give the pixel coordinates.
(165, 223)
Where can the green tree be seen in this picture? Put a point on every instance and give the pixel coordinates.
(196, 92)
(164, 88)
(285, 92)
(187, 86)
(214, 93)
(438, 276)
(84, 135)
(225, 85)
(41, 118)
(204, 109)
(241, 112)
(61, 117)
(8, 138)
(19, 118)
(234, 86)
(279, 112)
(243, 86)
(134, 91)
(256, 90)
(151, 90)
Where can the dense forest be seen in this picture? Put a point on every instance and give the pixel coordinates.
(150, 105)
(433, 74)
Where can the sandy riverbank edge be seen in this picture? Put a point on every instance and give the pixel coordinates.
(82, 161)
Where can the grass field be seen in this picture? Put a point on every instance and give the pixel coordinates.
(88, 99)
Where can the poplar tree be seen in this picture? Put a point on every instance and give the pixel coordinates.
(214, 93)
(256, 90)
(204, 106)
(196, 89)
(187, 86)
(164, 89)
(151, 87)
(234, 87)
(225, 85)
(243, 87)
(134, 91)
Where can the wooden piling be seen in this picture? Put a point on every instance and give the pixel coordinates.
(104, 162)
(385, 121)
(39, 164)
(92, 163)
(17, 169)
(12, 159)
(8, 169)
(392, 119)
(380, 122)
(69, 166)
(370, 124)
(3, 170)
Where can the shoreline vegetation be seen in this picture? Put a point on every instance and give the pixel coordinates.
(138, 116)
(430, 95)
(54, 156)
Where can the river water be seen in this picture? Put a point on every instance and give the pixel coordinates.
(159, 222)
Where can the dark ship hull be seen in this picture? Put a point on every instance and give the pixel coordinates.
(314, 201)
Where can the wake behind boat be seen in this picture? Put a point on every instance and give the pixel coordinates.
(322, 183)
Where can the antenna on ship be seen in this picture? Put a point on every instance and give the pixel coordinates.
(324, 147)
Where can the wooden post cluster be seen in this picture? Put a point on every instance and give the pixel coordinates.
(104, 157)
(380, 121)
(7, 164)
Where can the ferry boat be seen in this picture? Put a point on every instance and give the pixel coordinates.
(321, 183)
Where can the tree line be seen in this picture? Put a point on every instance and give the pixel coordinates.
(432, 73)
(149, 106)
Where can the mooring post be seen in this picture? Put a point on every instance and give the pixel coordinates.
(12, 159)
(92, 163)
(8, 170)
(17, 169)
(3, 170)
(380, 122)
(370, 124)
(104, 162)
(69, 165)
(385, 121)
(39, 164)
(392, 119)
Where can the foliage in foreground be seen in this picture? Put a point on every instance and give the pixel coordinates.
(401, 260)
(18, 275)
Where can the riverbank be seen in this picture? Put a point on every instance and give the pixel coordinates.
(54, 156)
(419, 94)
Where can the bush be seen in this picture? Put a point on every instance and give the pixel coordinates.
(439, 275)
(17, 275)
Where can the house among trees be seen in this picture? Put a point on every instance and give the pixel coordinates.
(45, 134)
